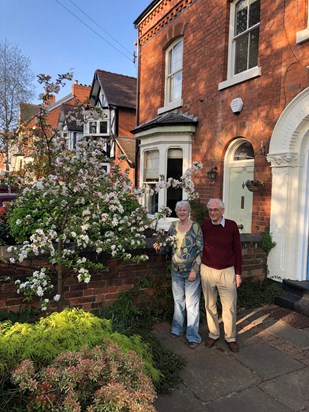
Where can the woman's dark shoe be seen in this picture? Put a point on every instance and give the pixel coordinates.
(193, 345)
(174, 336)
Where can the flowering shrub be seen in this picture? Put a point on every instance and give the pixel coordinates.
(80, 207)
(91, 380)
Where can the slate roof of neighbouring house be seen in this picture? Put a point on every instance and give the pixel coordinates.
(127, 146)
(119, 90)
(175, 118)
(27, 111)
(74, 125)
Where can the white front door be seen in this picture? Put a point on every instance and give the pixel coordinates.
(239, 202)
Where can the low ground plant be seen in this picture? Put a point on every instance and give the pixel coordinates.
(134, 313)
(253, 294)
(90, 379)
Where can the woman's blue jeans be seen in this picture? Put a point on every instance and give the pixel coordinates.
(186, 305)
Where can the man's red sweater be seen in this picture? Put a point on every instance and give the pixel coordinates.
(222, 247)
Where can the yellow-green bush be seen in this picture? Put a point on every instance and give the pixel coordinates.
(68, 330)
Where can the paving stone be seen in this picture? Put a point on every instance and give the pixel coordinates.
(290, 389)
(267, 361)
(249, 400)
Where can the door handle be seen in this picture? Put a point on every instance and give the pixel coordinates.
(240, 226)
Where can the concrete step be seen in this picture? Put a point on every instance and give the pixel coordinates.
(300, 288)
(294, 302)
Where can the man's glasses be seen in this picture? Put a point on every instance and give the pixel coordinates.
(213, 210)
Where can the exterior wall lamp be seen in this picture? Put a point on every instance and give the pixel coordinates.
(212, 174)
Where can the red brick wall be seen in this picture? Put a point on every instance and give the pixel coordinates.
(104, 287)
(126, 122)
(204, 26)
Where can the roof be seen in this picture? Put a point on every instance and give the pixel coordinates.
(119, 90)
(27, 111)
(73, 122)
(127, 146)
(175, 118)
(145, 12)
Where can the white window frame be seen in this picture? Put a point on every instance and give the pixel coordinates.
(170, 104)
(153, 180)
(232, 78)
(104, 117)
(303, 35)
(163, 150)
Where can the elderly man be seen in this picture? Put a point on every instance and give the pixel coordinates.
(220, 272)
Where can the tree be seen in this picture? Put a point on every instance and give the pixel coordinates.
(15, 87)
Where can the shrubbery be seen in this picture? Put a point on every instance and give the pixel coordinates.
(92, 380)
(69, 332)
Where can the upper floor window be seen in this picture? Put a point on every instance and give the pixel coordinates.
(246, 34)
(98, 127)
(303, 35)
(174, 71)
(173, 76)
(97, 123)
(243, 42)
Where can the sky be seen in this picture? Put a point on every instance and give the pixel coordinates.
(73, 35)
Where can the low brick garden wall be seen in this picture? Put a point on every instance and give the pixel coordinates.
(104, 287)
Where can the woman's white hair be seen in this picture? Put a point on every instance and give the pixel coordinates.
(183, 203)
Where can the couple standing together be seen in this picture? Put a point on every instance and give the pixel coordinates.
(209, 256)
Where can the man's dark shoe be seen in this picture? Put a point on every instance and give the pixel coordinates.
(209, 342)
(233, 347)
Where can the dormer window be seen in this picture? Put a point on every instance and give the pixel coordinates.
(98, 127)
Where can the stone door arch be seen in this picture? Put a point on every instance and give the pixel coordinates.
(289, 220)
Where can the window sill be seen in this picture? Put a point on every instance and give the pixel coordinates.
(302, 35)
(241, 77)
(171, 106)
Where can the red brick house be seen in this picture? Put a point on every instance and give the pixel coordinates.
(225, 82)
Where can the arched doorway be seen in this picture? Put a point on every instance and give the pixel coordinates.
(289, 221)
(239, 167)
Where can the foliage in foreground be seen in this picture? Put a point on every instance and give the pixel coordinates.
(68, 330)
(134, 313)
(80, 336)
(92, 380)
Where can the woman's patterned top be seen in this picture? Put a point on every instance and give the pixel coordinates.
(186, 247)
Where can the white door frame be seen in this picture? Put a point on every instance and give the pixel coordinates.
(289, 220)
(228, 162)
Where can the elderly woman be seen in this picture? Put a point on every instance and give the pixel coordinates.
(187, 250)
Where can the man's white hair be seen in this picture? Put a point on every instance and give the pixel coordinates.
(218, 201)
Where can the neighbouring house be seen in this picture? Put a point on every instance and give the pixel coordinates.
(225, 82)
(29, 114)
(70, 125)
(115, 97)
